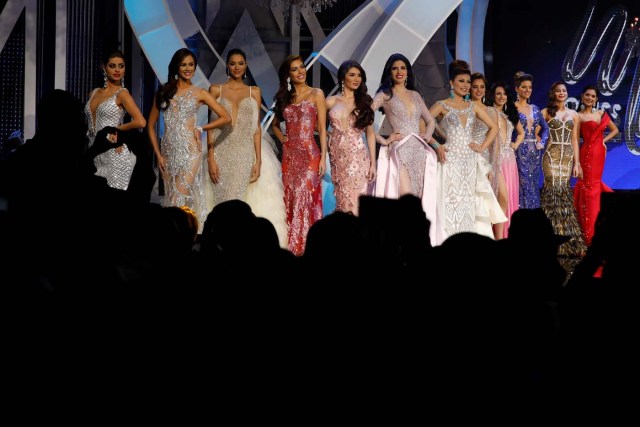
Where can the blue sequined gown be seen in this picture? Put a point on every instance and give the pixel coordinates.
(529, 159)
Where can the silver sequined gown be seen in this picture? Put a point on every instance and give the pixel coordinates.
(234, 150)
(116, 167)
(412, 153)
(183, 154)
(466, 202)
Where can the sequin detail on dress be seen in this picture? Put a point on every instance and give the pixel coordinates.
(300, 166)
(234, 150)
(556, 198)
(529, 159)
(116, 167)
(183, 154)
(349, 162)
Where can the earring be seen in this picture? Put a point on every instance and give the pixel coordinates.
(122, 82)
(342, 88)
(245, 75)
(405, 82)
(104, 74)
(466, 97)
(289, 84)
(483, 99)
(175, 77)
(517, 97)
(505, 108)
(451, 94)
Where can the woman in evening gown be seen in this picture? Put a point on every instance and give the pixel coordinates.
(466, 202)
(593, 152)
(303, 110)
(240, 166)
(180, 157)
(529, 153)
(353, 163)
(407, 162)
(107, 106)
(561, 161)
(508, 182)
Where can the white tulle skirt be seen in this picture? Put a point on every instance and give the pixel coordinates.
(266, 195)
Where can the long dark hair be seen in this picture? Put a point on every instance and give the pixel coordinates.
(363, 112)
(166, 91)
(584, 90)
(386, 83)
(552, 106)
(284, 96)
(520, 77)
(509, 108)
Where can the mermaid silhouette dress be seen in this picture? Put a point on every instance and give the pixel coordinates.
(587, 190)
(556, 198)
(183, 154)
(529, 158)
(350, 161)
(116, 167)
(300, 166)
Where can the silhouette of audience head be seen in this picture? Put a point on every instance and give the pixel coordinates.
(228, 228)
(532, 227)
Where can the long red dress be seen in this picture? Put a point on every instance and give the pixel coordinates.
(587, 190)
(300, 165)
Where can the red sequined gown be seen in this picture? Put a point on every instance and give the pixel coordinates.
(300, 163)
(587, 190)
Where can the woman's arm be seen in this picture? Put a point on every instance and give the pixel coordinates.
(613, 131)
(256, 94)
(212, 165)
(371, 143)
(577, 169)
(436, 110)
(519, 136)
(430, 122)
(223, 116)
(544, 135)
(129, 105)
(321, 125)
(482, 114)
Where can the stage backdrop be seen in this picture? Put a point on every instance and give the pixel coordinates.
(582, 43)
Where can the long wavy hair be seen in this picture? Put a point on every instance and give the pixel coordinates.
(284, 96)
(552, 105)
(509, 108)
(168, 90)
(386, 83)
(363, 112)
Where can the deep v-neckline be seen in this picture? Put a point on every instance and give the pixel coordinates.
(464, 111)
(527, 117)
(234, 118)
(410, 111)
(94, 112)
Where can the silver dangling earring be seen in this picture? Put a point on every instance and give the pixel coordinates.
(245, 75)
(483, 99)
(104, 74)
(505, 108)
(451, 94)
(175, 77)
(342, 88)
(289, 84)
(122, 82)
(405, 82)
(517, 97)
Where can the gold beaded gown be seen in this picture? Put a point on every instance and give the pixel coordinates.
(556, 198)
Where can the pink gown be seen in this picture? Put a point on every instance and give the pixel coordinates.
(300, 165)
(509, 170)
(350, 162)
(587, 190)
